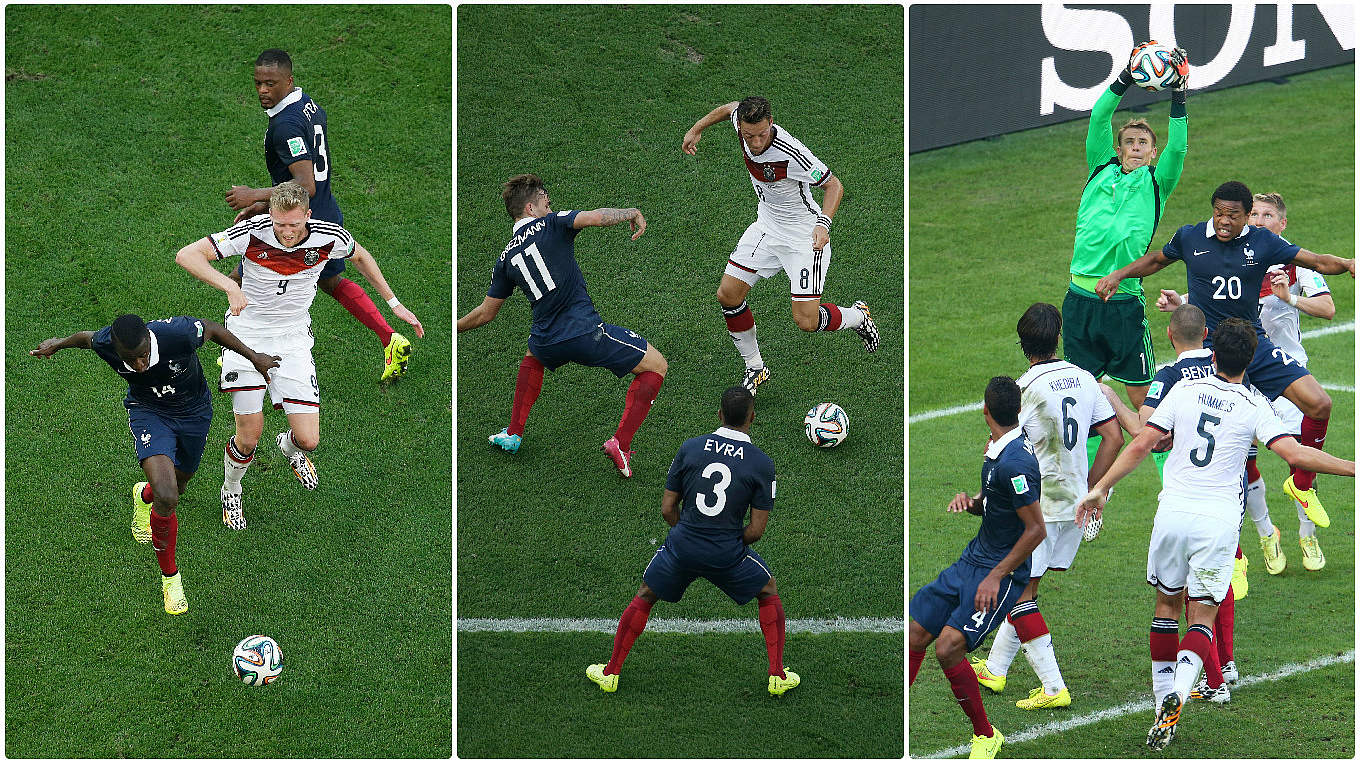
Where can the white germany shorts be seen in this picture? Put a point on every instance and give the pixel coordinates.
(1191, 552)
(759, 255)
(1289, 415)
(292, 385)
(1058, 548)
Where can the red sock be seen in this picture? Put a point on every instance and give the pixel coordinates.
(739, 318)
(1312, 432)
(772, 625)
(1253, 474)
(1223, 628)
(1164, 640)
(963, 681)
(1213, 668)
(916, 659)
(528, 383)
(147, 494)
(641, 394)
(833, 317)
(632, 622)
(356, 302)
(163, 533)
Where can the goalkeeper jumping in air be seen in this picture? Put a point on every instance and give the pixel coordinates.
(1121, 204)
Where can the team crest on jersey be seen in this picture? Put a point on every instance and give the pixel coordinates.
(176, 367)
(768, 171)
(296, 147)
(311, 256)
(146, 438)
(1251, 256)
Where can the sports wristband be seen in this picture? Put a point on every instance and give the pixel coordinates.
(1293, 300)
(824, 221)
(393, 302)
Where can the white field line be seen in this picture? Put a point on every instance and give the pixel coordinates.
(977, 406)
(1143, 705)
(675, 625)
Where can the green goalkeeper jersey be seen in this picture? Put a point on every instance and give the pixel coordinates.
(1119, 212)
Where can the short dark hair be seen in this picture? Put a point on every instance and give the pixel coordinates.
(519, 190)
(736, 405)
(1038, 329)
(1234, 345)
(1003, 400)
(753, 110)
(1233, 191)
(1187, 324)
(274, 58)
(129, 331)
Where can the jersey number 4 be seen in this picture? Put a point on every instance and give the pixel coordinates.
(537, 257)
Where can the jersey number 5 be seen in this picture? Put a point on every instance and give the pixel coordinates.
(724, 474)
(1204, 420)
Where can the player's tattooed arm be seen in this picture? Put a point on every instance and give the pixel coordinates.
(608, 217)
(53, 345)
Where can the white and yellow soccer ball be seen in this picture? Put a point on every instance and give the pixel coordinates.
(1155, 66)
(826, 425)
(257, 660)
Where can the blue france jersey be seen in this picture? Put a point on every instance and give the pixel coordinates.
(1225, 278)
(1010, 480)
(720, 477)
(541, 261)
(1191, 365)
(297, 132)
(173, 384)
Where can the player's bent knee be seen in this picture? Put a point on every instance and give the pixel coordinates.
(165, 502)
(648, 594)
(950, 647)
(918, 637)
(805, 323)
(307, 441)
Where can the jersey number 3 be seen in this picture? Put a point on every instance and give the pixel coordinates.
(724, 474)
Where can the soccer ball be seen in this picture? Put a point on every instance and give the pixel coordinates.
(257, 660)
(826, 425)
(1155, 66)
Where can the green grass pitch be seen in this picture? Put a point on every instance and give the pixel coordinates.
(596, 101)
(1001, 211)
(124, 128)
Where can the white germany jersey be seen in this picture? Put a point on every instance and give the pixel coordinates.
(1214, 422)
(279, 283)
(783, 177)
(1279, 319)
(1059, 404)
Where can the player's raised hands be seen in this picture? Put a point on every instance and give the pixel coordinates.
(1279, 285)
(240, 197)
(409, 317)
(1169, 300)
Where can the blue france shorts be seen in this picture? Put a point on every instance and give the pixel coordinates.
(1272, 370)
(182, 438)
(669, 574)
(615, 348)
(948, 601)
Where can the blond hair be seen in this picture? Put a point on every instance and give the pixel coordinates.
(1274, 199)
(1135, 124)
(287, 196)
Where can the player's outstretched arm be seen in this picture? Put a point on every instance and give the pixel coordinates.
(368, 267)
(760, 518)
(195, 256)
(721, 113)
(219, 334)
(608, 217)
(1323, 263)
(1111, 440)
(1127, 418)
(1149, 263)
(1308, 458)
(1093, 502)
(53, 345)
(485, 312)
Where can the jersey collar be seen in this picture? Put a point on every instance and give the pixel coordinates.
(1209, 230)
(155, 354)
(288, 100)
(521, 223)
(994, 448)
(1195, 353)
(736, 435)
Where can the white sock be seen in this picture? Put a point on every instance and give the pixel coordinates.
(1256, 505)
(1306, 526)
(290, 447)
(748, 347)
(1004, 648)
(234, 470)
(1039, 652)
(1163, 680)
(1188, 665)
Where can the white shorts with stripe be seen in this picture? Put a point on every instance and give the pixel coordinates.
(292, 385)
(1057, 550)
(1191, 552)
(759, 255)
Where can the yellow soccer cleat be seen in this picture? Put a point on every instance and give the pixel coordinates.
(1312, 553)
(985, 677)
(395, 356)
(1239, 578)
(141, 515)
(987, 746)
(1270, 547)
(172, 589)
(1038, 700)
(779, 685)
(1309, 501)
(608, 683)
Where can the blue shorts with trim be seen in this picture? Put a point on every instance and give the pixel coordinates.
(615, 348)
(948, 601)
(669, 575)
(1272, 370)
(183, 439)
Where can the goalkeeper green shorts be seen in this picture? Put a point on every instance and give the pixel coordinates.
(1108, 337)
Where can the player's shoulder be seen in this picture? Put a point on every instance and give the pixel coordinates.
(793, 147)
(329, 229)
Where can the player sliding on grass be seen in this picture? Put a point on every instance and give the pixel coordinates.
(284, 254)
(1199, 511)
(791, 232)
(972, 597)
(1060, 405)
(714, 481)
(169, 414)
(1226, 261)
(541, 261)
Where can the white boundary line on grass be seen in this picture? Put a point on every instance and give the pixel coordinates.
(977, 406)
(1145, 705)
(675, 625)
